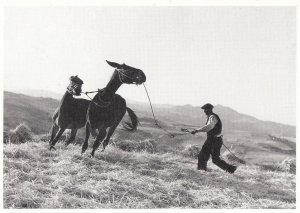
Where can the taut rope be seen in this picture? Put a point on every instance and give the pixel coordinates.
(172, 135)
(184, 130)
(240, 160)
(105, 104)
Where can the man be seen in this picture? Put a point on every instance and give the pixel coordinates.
(213, 143)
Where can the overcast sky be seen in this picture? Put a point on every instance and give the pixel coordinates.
(240, 57)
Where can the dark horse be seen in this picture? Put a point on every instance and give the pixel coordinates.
(107, 108)
(70, 114)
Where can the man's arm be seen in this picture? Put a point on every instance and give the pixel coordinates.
(209, 126)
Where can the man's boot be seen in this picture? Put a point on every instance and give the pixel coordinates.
(202, 167)
(231, 169)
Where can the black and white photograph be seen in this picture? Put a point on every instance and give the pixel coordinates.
(149, 105)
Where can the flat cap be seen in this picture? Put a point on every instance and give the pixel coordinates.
(207, 106)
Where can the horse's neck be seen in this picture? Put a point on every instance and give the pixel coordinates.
(66, 100)
(111, 88)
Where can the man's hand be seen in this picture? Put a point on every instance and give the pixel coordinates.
(193, 132)
(190, 131)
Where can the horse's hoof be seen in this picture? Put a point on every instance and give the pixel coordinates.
(52, 147)
(104, 146)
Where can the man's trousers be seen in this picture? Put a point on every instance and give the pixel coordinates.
(212, 146)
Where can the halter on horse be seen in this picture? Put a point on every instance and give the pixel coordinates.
(74, 87)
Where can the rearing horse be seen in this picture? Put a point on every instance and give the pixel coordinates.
(107, 109)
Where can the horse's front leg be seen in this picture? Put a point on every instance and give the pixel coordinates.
(60, 132)
(109, 134)
(86, 141)
(54, 130)
(101, 135)
(72, 137)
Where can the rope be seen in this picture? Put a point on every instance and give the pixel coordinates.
(86, 93)
(91, 92)
(240, 160)
(155, 121)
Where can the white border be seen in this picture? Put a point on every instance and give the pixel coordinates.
(81, 3)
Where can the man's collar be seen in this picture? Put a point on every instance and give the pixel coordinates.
(209, 115)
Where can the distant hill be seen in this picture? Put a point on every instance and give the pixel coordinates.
(37, 111)
(41, 93)
(232, 120)
(254, 140)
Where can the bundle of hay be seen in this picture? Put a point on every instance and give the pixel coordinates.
(288, 165)
(127, 145)
(21, 134)
(5, 137)
(191, 151)
(147, 145)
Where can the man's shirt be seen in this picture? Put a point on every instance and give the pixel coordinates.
(212, 121)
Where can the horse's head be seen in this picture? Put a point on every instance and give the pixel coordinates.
(74, 87)
(127, 74)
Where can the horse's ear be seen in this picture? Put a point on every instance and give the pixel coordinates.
(113, 64)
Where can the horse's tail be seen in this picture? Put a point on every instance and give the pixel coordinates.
(134, 121)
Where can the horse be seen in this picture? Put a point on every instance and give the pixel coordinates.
(107, 108)
(70, 114)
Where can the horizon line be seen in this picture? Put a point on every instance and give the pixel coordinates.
(142, 102)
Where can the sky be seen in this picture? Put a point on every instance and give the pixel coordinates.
(240, 57)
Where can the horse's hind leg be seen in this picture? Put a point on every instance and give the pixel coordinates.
(72, 137)
(101, 135)
(86, 141)
(109, 134)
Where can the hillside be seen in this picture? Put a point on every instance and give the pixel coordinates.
(241, 133)
(40, 93)
(36, 111)
(231, 119)
(35, 177)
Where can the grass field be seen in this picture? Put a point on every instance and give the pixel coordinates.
(35, 177)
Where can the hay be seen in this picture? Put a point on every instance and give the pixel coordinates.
(34, 177)
(287, 165)
(5, 137)
(191, 151)
(147, 145)
(21, 134)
